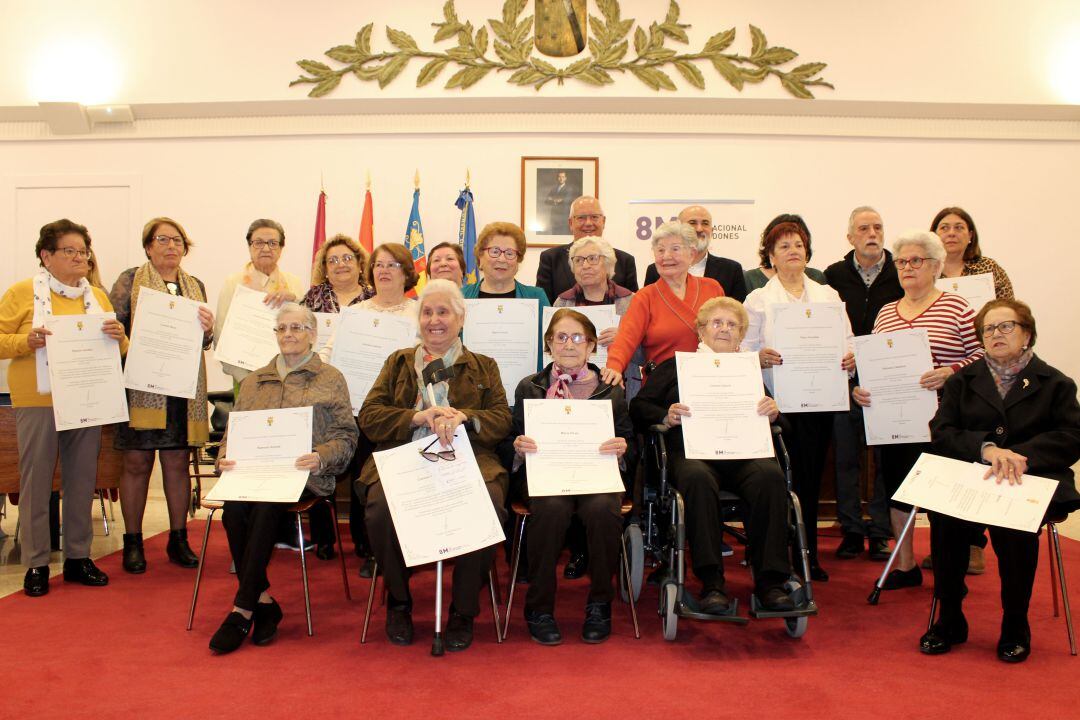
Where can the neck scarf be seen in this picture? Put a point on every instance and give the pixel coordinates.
(1005, 374)
(45, 284)
(256, 280)
(440, 390)
(283, 370)
(611, 293)
(562, 380)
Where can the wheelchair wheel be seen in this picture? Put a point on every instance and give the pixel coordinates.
(796, 626)
(668, 618)
(635, 546)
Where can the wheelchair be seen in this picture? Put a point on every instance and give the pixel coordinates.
(660, 534)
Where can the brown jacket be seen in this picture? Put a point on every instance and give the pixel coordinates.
(476, 390)
(321, 386)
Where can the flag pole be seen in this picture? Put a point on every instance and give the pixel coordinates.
(416, 179)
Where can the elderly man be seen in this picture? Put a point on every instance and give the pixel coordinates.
(728, 273)
(587, 219)
(866, 280)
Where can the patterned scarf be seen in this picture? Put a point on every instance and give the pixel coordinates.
(611, 294)
(1005, 374)
(440, 390)
(560, 389)
(252, 278)
(45, 284)
(147, 410)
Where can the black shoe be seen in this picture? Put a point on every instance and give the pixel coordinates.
(36, 582)
(325, 551)
(231, 634)
(899, 579)
(775, 599)
(459, 631)
(879, 549)
(714, 601)
(1011, 652)
(850, 547)
(179, 551)
(576, 566)
(84, 571)
(134, 559)
(368, 568)
(597, 627)
(543, 628)
(941, 636)
(266, 618)
(399, 627)
(1014, 644)
(817, 573)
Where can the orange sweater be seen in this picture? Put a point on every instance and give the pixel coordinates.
(660, 322)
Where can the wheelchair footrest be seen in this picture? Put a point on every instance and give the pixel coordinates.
(688, 608)
(805, 610)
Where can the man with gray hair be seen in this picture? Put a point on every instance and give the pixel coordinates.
(865, 279)
(729, 273)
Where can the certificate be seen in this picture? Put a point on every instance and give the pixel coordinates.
(84, 372)
(247, 337)
(723, 391)
(504, 330)
(602, 318)
(440, 509)
(568, 435)
(976, 289)
(363, 341)
(811, 338)
(956, 488)
(890, 365)
(166, 345)
(326, 324)
(265, 445)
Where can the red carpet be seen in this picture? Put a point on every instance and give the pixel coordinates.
(122, 651)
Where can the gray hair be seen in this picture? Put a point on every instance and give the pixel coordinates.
(676, 229)
(856, 211)
(928, 241)
(309, 317)
(266, 223)
(441, 286)
(605, 249)
(585, 197)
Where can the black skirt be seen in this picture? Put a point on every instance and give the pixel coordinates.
(172, 437)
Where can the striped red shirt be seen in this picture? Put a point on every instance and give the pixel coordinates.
(950, 324)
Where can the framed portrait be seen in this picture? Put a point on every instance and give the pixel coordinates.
(548, 186)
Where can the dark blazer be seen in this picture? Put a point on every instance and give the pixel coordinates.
(1039, 418)
(555, 277)
(863, 303)
(728, 273)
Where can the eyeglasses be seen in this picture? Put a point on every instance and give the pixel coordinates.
(166, 240)
(70, 252)
(914, 262)
(341, 260)
(946, 227)
(586, 259)
(387, 265)
(291, 327)
(719, 324)
(1006, 327)
(263, 244)
(589, 218)
(494, 253)
(562, 338)
(448, 455)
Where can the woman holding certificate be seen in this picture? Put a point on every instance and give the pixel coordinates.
(295, 378)
(571, 338)
(919, 257)
(336, 276)
(963, 256)
(430, 390)
(788, 248)
(59, 288)
(1013, 412)
(160, 424)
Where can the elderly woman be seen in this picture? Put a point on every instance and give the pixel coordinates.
(266, 241)
(761, 275)
(336, 276)
(721, 325)
(396, 412)
(919, 257)
(788, 248)
(500, 248)
(1017, 414)
(963, 256)
(571, 338)
(661, 316)
(59, 288)
(447, 261)
(296, 377)
(167, 427)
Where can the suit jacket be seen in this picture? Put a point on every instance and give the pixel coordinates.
(555, 277)
(728, 273)
(1038, 418)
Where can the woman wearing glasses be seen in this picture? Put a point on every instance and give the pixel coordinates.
(167, 427)
(1017, 415)
(402, 407)
(59, 288)
(337, 276)
(295, 377)
(919, 257)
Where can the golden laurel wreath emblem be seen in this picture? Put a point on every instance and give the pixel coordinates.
(79, 325)
(809, 313)
(889, 342)
(270, 420)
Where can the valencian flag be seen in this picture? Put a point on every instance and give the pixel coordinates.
(320, 225)
(414, 240)
(467, 233)
(367, 223)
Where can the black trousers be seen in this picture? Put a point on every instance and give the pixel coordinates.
(470, 570)
(807, 445)
(546, 528)
(252, 529)
(897, 461)
(759, 483)
(322, 527)
(1018, 558)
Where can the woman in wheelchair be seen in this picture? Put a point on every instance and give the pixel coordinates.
(721, 325)
(571, 339)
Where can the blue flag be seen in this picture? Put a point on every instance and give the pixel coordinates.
(467, 234)
(414, 240)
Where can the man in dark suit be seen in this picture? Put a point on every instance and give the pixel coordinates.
(866, 280)
(558, 201)
(728, 273)
(586, 220)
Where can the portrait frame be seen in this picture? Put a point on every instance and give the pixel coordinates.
(545, 204)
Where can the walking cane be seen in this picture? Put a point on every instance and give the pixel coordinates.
(876, 594)
(436, 372)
